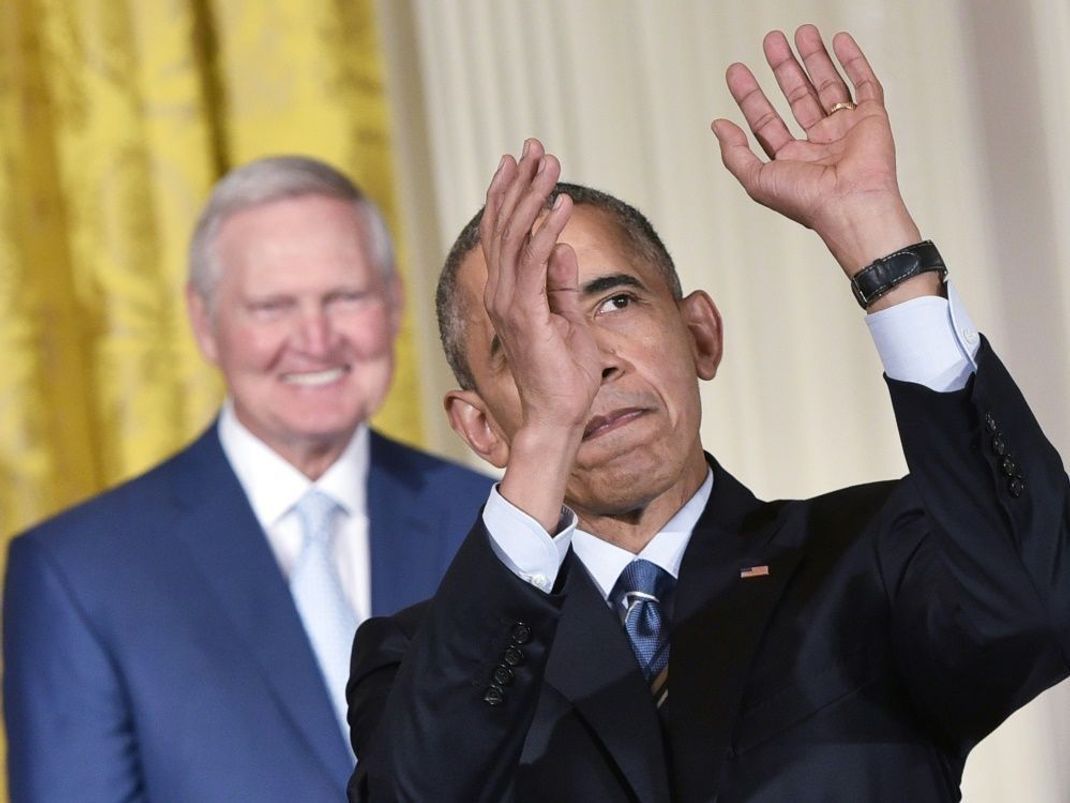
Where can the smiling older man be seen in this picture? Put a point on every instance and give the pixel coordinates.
(186, 635)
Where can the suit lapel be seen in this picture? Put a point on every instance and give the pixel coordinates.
(406, 558)
(719, 619)
(237, 565)
(592, 665)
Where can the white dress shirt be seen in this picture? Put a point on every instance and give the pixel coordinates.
(930, 341)
(273, 486)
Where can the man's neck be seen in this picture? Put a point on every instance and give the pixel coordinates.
(311, 456)
(311, 461)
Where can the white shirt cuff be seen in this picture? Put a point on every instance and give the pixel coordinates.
(522, 544)
(930, 341)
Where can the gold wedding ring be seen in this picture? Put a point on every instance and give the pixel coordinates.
(844, 104)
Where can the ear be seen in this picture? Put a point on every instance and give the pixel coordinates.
(395, 294)
(469, 418)
(200, 318)
(703, 323)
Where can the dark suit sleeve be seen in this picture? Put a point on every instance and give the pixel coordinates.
(981, 598)
(68, 727)
(425, 721)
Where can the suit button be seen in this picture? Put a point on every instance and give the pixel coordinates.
(1016, 486)
(521, 633)
(513, 656)
(990, 422)
(999, 446)
(502, 675)
(1007, 466)
(494, 695)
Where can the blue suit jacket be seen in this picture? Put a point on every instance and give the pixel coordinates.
(152, 649)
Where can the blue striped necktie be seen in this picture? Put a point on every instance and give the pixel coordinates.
(641, 596)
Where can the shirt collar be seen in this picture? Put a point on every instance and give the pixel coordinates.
(605, 561)
(273, 485)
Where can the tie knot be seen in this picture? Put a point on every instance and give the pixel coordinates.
(642, 579)
(316, 510)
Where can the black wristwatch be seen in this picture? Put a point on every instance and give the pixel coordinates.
(876, 279)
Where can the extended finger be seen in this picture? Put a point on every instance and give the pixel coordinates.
(516, 183)
(520, 268)
(830, 86)
(770, 131)
(527, 167)
(793, 81)
(509, 186)
(488, 222)
(736, 154)
(526, 249)
(540, 246)
(856, 65)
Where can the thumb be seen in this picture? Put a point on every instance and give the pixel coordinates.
(737, 155)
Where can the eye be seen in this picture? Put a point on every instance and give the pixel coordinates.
(352, 298)
(616, 302)
(268, 306)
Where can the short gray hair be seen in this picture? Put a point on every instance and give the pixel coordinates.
(274, 178)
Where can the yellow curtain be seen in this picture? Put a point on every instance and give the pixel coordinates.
(116, 116)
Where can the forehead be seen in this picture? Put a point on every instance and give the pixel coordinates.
(293, 235)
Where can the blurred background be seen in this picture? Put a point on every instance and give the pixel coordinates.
(116, 116)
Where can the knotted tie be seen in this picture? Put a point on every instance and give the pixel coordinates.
(317, 592)
(641, 593)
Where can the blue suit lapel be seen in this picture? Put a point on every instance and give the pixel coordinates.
(407, 558)
(237, 565)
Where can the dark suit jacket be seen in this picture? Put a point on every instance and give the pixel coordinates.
(898, 624)
(152, 649)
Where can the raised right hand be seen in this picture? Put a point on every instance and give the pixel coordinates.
(532, 296)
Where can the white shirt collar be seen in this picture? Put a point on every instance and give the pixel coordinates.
(273, 485)
(605, 561)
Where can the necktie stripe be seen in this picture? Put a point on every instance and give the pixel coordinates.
(660, 687)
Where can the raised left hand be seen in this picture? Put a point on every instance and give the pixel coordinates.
(839, 177)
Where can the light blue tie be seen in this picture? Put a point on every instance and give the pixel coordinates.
(317, 592)
(641, 591)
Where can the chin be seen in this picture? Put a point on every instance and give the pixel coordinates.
(324, 428)
(623, 489)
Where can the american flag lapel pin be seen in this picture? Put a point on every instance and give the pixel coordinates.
(754, 571)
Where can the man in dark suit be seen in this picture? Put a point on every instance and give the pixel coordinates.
(850, 647)
(186, 635)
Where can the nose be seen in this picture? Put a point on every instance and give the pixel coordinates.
(613, 365)
(315, 332)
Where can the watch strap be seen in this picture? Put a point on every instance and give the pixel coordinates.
(876, 279)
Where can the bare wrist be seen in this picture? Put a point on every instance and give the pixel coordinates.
(540, 460)
(862, 237)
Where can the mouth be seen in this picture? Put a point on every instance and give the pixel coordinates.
(315, 379)
(601, 424)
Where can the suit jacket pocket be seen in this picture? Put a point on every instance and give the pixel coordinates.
(804, 695)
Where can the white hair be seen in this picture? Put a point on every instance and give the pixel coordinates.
(274, 178)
